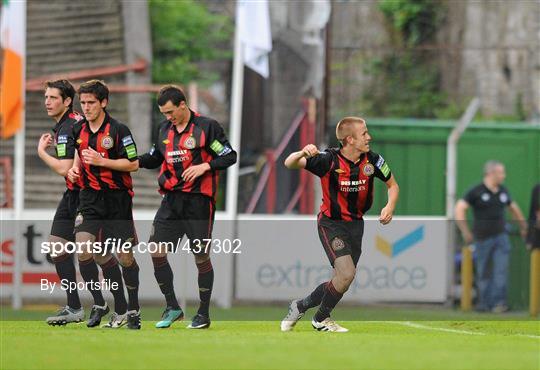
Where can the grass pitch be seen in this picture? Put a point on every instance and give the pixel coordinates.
(449, 340)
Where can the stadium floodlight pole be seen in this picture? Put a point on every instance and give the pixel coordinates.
(451, 180)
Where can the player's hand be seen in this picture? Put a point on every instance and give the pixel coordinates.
(91, 157)
(310, 150)
(45, 141)
(193, 172)
(467, 237)
(523, 232)
(386, 215)
(73, 175)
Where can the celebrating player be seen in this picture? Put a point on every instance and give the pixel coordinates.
(347, 176)
(107, 151)
(59, 97)
(190, 149)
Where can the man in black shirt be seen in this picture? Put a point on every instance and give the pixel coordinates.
(488, 201)
(533, 238)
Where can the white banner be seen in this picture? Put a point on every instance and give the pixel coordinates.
(405, 261)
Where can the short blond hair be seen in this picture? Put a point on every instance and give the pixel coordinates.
(344, 127)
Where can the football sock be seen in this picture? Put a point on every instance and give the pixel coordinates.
(330, 300)
(66, 272)
(111, 272)
(206, 282)
(131, 279)
(90, 274)
(312, 300)
(164, 277)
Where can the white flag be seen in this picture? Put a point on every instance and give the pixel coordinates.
(253, 26)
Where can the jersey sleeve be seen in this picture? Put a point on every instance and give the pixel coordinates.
(470, 196)
(319, 164)
(509, 199)
(152, 159)
(126, 145)
(223, 155)
(382, 169)
(65, 142)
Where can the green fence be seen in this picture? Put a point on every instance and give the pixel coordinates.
(416, 153)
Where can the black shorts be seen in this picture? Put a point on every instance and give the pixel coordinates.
(64, 218)
(106, 214)
(184, 214)
(341, 238)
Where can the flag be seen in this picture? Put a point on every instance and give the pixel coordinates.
(253, 26)
(13, 44)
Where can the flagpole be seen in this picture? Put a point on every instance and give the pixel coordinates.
(19, 162)
(235, 135)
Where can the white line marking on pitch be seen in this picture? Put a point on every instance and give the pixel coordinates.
(448, 330)
(425, 327)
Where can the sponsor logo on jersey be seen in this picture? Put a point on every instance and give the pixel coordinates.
(176, 152)
(219, 148)
(127, 140)
(62, 139)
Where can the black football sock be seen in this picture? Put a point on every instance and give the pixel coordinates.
(164, 277)
(131, 279)
(330, 300)
(66, 272)
(206, 282)
(312, 300)
(112, 273)
(90, 274)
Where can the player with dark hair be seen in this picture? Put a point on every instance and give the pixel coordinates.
(59, 96)
(347, 174)
(108, 153)
(190, 149)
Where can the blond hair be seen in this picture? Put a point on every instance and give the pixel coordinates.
(344, 127)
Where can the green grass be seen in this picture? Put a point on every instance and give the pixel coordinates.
(26, 343)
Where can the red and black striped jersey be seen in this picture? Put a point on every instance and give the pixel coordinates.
(202, 141)
(347, 186)
(64, 141)
(112, 140)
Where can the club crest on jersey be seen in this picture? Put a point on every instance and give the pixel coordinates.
(338, 244)
(107, 142)
(79, 219)
(368, 169)
(190, 142)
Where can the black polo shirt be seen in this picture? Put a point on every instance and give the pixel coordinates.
(488, 210)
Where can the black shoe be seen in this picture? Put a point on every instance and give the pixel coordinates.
(134, 319)
(96, 314)
(199, 322)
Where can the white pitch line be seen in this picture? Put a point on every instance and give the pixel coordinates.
(528, 336)
(426, 327)
(456, 331)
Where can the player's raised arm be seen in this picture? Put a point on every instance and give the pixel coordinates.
(60, 165)
(298, 160)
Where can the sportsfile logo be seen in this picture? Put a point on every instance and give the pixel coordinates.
(400, 246)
